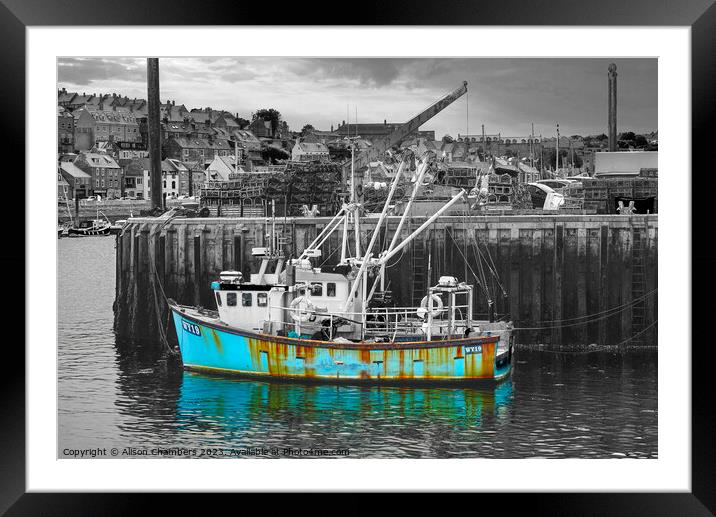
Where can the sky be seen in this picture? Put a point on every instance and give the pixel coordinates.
(506, 95)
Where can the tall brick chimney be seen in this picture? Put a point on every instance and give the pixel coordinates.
(612, 107)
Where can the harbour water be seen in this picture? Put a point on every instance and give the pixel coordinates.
(556, 405)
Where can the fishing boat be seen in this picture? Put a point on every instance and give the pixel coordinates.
(293, 320)
(95, 227)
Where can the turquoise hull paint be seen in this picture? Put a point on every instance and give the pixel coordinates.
(208, 347)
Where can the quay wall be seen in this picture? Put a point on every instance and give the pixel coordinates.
(563, 279)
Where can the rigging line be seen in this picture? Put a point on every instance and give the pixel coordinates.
(576, 324)
(483, 279)
(466, 261)
(614, 309)
(330, 255)
(493, 270)
(638, 333)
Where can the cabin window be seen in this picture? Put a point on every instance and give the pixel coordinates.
(231, 299)
(331, 289)
(262, 299)
(317, 289)
(218, 299)
(246, 299)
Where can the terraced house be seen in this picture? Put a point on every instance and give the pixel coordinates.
(107, 178)
(93, 126)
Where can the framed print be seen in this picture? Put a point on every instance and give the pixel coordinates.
(409, 255)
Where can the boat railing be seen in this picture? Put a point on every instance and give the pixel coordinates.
(407, 320)
(380, 321)
(334, 320)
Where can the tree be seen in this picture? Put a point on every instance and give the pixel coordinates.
(271, 154)
(307, 129)
(628, 136)
(242, 122)
(640, 141)
(268, 114)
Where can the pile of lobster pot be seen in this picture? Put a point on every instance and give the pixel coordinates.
(601, 194)
(251, 194)
(506, 192)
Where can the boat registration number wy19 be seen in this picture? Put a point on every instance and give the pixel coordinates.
(191, 328)
(473, 349)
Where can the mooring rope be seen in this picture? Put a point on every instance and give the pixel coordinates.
(611, 312)
(156, 281)
(600, 348)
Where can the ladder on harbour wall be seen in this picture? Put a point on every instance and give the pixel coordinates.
(638, 285)
(419, 270)
(284, 239)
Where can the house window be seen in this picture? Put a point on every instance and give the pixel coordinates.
(174, 184)
(246, 299)
(165, 183)
(262, 299)
(331, 289)
(231, 299)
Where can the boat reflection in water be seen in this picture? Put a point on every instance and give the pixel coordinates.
(368, 420)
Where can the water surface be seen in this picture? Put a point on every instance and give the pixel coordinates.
(555, 405)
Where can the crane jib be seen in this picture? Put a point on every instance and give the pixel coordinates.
(394, 138)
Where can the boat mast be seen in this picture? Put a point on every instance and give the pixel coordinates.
(374, 237)
(356, 213)
(67, 205)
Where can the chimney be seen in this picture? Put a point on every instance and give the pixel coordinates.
(612, 107)
(385, 122)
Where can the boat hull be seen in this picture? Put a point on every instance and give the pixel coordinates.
(210, 346)
(88, 231)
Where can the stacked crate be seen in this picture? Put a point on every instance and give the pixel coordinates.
(499, 191)
(645, 187)
(460, 177)
(595, 195)
(573, 195)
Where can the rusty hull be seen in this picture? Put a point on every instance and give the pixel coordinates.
(209, 345)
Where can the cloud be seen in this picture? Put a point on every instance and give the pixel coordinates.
(85, 71)
(506, 95)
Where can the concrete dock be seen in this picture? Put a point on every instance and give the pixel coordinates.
(569, 279)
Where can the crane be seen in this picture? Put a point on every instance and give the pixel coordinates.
(379, 146)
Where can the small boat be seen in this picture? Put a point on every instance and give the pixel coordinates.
(96, 227)
(292, 320)
(85, 228)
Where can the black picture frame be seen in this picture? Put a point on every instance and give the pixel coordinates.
(16, 15)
